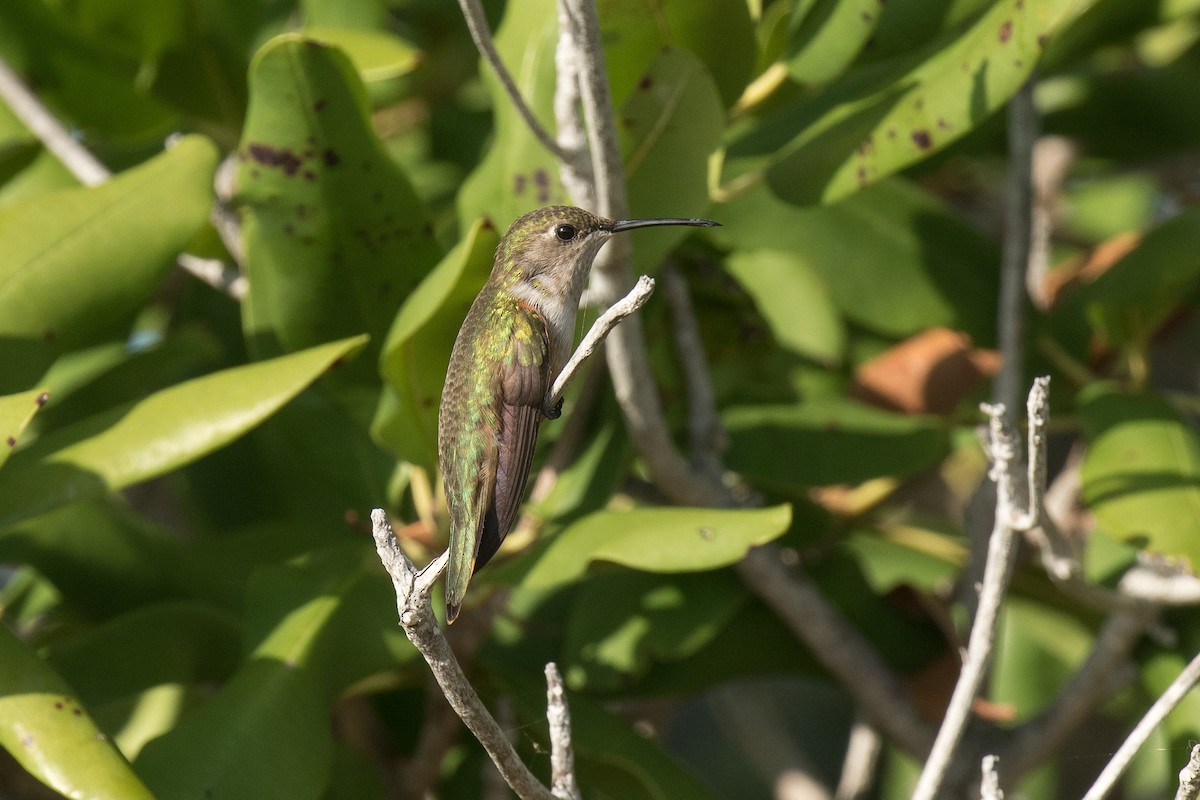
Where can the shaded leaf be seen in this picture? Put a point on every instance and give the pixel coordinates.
(719, 33)
(417, 349)
(794, 300)
(623, 622)
(1141, 473)
(828, 440)
(335, 236)
(668, 128)
(1135, 296)
(930, 373)
(656, 540)
(158, 434)
(50, 734)
(53, 244)
(896, 261)
(827, 35)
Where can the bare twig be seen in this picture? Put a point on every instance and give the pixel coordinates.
(862, 757)
(1018, 201)
(1014, 512)
(1128, 749)
(1096, 680)
(482, 36)
(415, 609)
(704, 426)
(48, 130)
(576, 170)
(989, 787)
(1189, 777)
(600, 330)
(562, 755)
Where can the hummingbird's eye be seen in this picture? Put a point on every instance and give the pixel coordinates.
(565, 233)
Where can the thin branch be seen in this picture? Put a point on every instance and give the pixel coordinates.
(599, 331)
(415, 609)
(562, 755)
(576, 169)
(838, 646)
(49, 131)
(862, 757)
(989, 787)
(1018, 201)
(704, 425)
(482, 36)
(1011, 516)
(1141, 732)
(1095, 681)
(1189, 777)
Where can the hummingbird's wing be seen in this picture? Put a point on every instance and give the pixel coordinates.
(480, 516)
(522, 378)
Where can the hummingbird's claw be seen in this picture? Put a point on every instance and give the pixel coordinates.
(555, 412)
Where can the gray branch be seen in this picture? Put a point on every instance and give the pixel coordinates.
(1189, 777)
(415, 609)
(1016, 510)
(562, 755)
(1141, 732)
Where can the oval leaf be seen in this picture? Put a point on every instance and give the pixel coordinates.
(65, 277)
(828, 441)
(656, 540)
(1141, 474)
(335, 236)
(166, 430)
(50, 734)
(880, 119)
(668, 129)
(793, 299)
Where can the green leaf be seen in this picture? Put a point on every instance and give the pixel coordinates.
(1135, 296)
(719, 33)
(15, 412)
(517, 174)
(50, 734)
(621, 623)
(827, 441)
(1141, 473)
(418, 347)
(68, 271)
(668, 129)
(883, 117)
(794, 300)
(895, 259)
(382, 59)
(265, 734)
(172, 642)
(656, 540)
(827, 35)
(335, 236)
(100, 556)
(158, 434)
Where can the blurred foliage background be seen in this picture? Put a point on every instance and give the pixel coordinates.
(185, 489)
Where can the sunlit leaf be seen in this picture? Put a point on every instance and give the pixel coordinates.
(1141, 473)
(15, 412)
(52, 736)
(53, 245)
(158, 434)
(656, 540)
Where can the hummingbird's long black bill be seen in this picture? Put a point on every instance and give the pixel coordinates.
(630, 224)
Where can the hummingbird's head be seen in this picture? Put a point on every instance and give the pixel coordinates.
(552, 249)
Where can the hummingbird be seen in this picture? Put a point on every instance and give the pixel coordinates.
(514, 342)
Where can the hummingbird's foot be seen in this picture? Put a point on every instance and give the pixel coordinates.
(555, 412)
